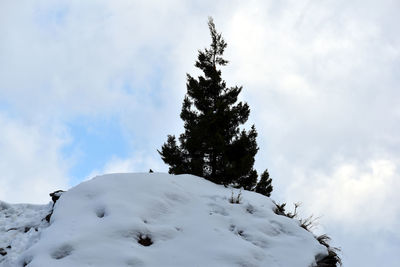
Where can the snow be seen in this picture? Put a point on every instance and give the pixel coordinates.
(189, 220)
(20, 228)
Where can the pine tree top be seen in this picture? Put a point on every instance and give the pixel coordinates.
(213, 144)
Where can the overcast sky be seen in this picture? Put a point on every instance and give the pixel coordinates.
(91, 87)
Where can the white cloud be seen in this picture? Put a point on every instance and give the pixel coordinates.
(352, 194)
(82, 58)
(356, 204)
(31, 166)
(140, 162)
(321, 79)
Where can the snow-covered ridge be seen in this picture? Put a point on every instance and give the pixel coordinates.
(154, 220)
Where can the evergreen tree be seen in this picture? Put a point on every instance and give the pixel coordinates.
(213, 146)
(264, 185)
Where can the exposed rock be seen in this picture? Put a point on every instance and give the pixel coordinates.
(3, 252)
(54, 197)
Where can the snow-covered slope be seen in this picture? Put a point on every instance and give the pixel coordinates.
(20, 228)
(155, 220)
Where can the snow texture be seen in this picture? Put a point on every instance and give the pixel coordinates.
(154, 220)
(20, 228)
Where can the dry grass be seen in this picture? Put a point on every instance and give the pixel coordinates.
(330, 260)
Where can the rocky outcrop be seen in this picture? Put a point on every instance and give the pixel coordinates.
(54, 197)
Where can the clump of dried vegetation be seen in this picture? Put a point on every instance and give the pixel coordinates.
(330, 260)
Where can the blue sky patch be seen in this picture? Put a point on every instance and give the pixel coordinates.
(94, 143)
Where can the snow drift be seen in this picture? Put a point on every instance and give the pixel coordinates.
(154, 220)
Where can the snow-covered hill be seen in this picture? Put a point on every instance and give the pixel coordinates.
(153, 219)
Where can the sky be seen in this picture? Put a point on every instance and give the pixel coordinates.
(93, 87)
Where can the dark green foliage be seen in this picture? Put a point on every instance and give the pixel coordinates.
(264, 186)
(213, 146)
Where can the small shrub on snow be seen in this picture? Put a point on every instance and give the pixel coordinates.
(237, 199)
(330, 260)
